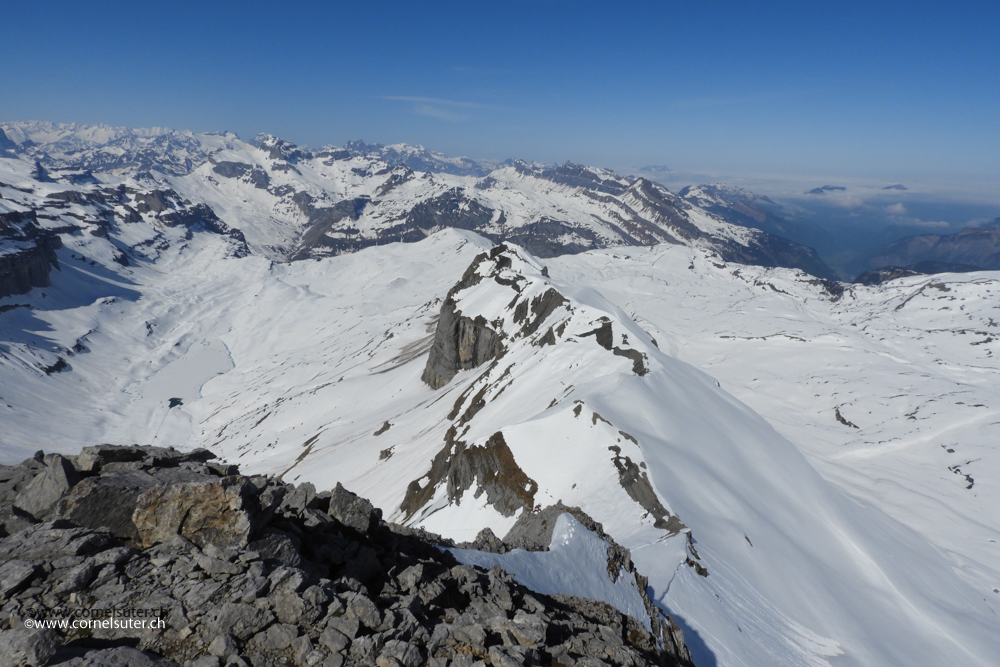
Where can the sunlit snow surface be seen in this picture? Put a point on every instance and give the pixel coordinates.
(824, 544)
(575, 564)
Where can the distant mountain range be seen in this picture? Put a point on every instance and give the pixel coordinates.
(289, 203)
(973, 247)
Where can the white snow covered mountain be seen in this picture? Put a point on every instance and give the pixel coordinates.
(807, 473)
(292, 203)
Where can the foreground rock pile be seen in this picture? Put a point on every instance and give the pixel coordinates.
(224, 569)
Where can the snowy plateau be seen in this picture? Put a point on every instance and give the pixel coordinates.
(806, 471)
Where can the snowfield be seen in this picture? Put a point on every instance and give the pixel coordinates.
(575, 564)
(806, 478)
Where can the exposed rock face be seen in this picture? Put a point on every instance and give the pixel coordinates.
(22, 646)
(885, 274)
(636, 483)
(24, 269)
(352, 510)
(490, 469)
(97, 458)
(27, 254)
(107, 501)
(460, 343)
(224, 512)
(493, 470)
(323, 218)
(40, 494)
(231, 169)
(344, 588)
(7, 147)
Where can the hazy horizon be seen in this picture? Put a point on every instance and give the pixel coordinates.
(897, 93)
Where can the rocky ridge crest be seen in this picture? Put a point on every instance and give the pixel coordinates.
(253, 571)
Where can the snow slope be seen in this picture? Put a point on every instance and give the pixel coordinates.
(575, 564)
(911, 367)
(806, 563)
(839, 488)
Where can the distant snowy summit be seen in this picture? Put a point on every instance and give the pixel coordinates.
(290, 203)
(103, 148)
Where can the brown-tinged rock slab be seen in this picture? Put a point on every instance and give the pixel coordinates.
(223, 512)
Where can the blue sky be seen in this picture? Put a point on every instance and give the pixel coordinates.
(894, 92)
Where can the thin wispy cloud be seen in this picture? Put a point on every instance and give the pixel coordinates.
(442, 109)
(436, 112)
(436, 101)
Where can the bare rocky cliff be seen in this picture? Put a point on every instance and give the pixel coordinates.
(27, 255)
(460, 342)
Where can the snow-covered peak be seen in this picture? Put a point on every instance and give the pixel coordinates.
(418, 158)
(720, 192)
(103, 148)
(281, 149)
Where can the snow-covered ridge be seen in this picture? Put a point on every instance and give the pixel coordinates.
(575, 564)
(293, 203)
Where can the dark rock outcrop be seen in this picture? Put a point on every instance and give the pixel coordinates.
(23, 269)
(7, 147)
(250, 173)
(327, 582)
(490, 468)
(41, 493)
(231, 169)
(885, 274)
(460, 342)
(638, 487)
(27, 254)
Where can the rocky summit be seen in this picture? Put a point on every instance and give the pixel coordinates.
(197, 565)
